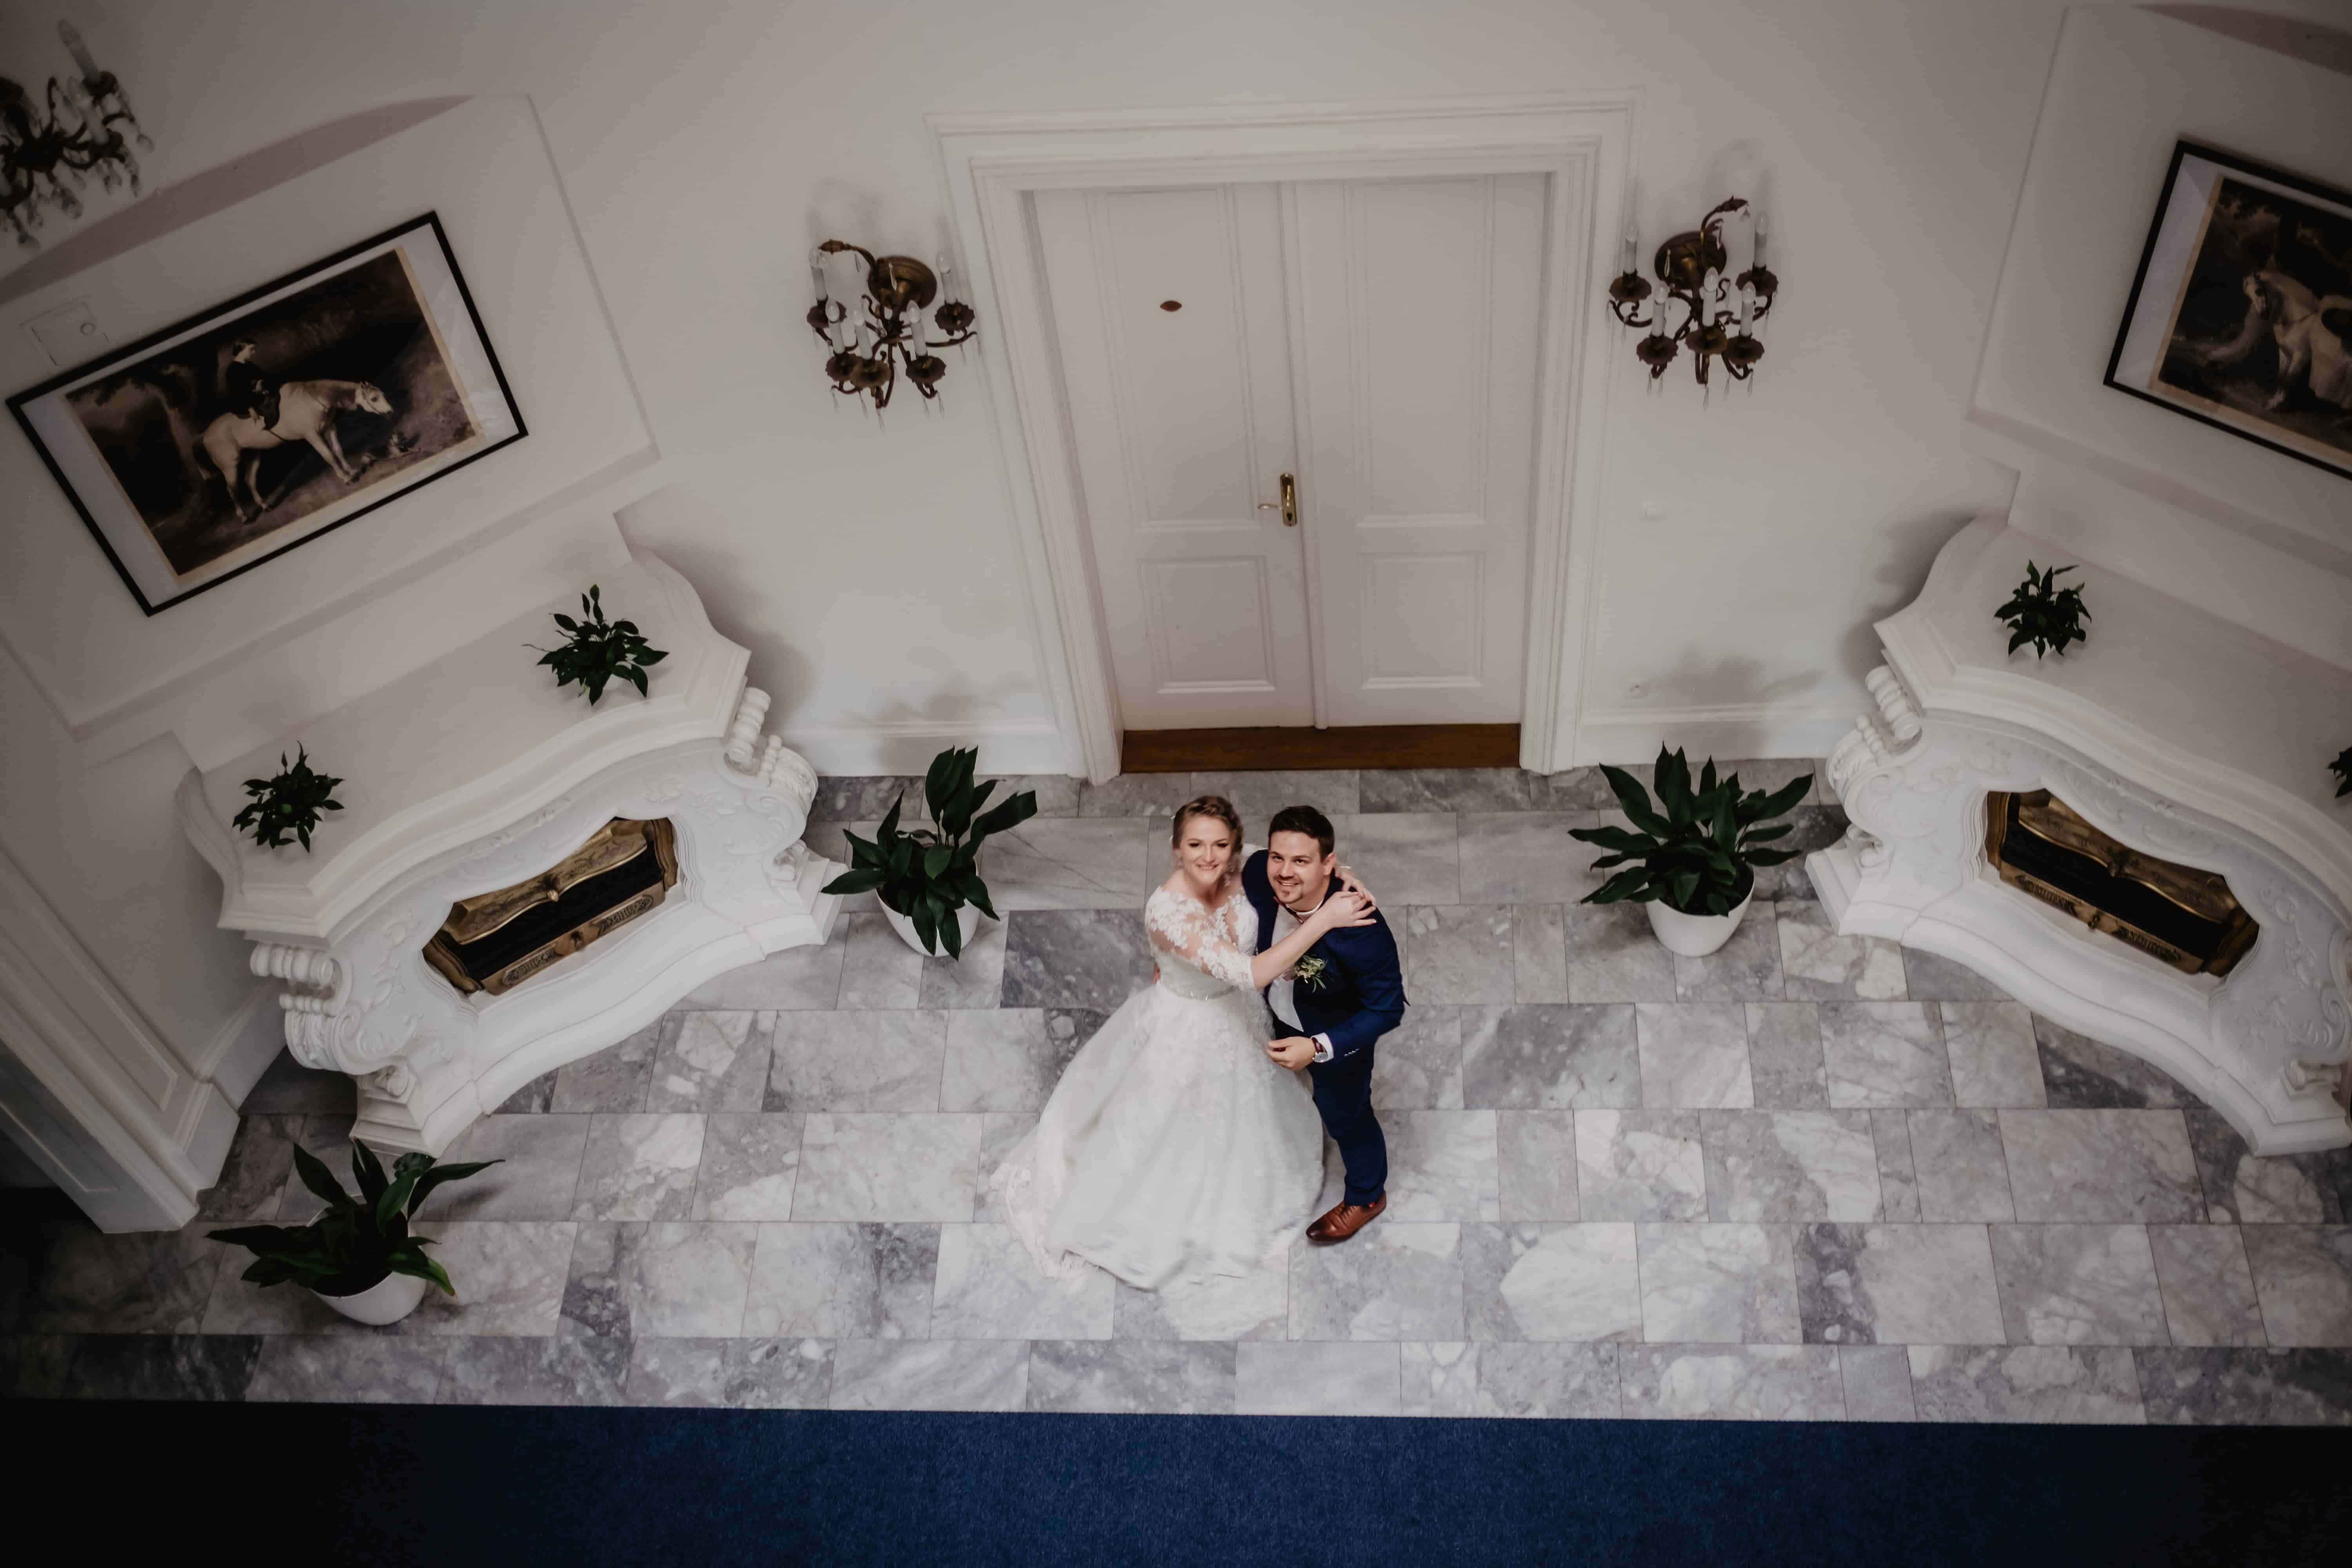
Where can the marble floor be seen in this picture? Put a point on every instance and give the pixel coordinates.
(1810, 1177)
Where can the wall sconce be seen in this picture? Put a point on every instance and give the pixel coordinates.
(76, 132)
(865, 355)
(1716, 271)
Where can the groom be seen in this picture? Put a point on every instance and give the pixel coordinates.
(1345, 993)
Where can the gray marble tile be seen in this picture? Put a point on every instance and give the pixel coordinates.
(1069, 863)
(288, 1088)
(329, 1140)
(989, 1288)
(33, 1366)
(1548, 1380)
(617, 1078)
(751, 1163)
(1811, 827)
(561, 1371)
(2246, 1387)
(879, 968)
(1582, 788)
(999, 1133)
(260, 1157)
(2079, 1073)
(510, 1276)
(1417, 1066)
(535, 1097)
(638, 1167)
(1405, 858)
(1527, 857)
(1930, 977)
(2044, 1384)
(1155, 795)
(1995, 1063)
(1539, 953)
(1784, 1056)
(210, 1367)
(667, 1279)
(1694, 1055)
(1775, 1165)
(1536, 1164)
(1640, 1165)
(865, 797)
(1885, 1053)
(1277, 1377)
(1545, 1056)
(1963, 1171)
(1441, 1377)
(1897, 1284)
(138, 1283)
(1453, 790)
(1257, 794)
(1006, 1059)
(1254, 1306)
(1162, 1377)
(931, 1374)
(2304, 1275)
(1613, 956)
(887, 1167)
(1441, 1165)
(1817, 964)
(1392, 1281)
(1898, 1178)
(1465, 953)
(1745, 969)
(974, 980)
(2282, 1189)
(536, 1176)
(1075, 958)
(734, 1373)
(1552, 1281)
(374, 1369)
(797, 979)
(2078, 1285)
(1718, 1284)
(237, 1306)
(842, 1281)
(2207, 1287)
(2101, 1165)
(857, 1061)
(1057, 793)
(1732, 1383)
(1877, 1383)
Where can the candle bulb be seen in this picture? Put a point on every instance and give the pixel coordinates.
(1706, 289)
(1758, 260)
(78, 49)
(1632, 248)
(1746, 307)
(947, 280)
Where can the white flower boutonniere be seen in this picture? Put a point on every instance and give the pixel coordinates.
(1308, 972)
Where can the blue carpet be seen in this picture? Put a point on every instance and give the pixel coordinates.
(357, 1485)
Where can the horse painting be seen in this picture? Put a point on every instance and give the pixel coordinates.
(306, 412)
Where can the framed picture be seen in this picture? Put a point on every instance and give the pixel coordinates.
(232, 437)
(2241, 313)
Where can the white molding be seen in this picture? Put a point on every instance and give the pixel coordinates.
(906, 746)
(245, 1045)
(1737, 729)
(993, 162)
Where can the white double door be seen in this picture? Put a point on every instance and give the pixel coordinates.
(1377, 340)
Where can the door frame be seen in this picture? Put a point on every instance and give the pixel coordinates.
(994, 160)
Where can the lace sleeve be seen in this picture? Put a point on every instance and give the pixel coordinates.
(1192, 933)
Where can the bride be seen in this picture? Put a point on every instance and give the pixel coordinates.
(1175, 1148)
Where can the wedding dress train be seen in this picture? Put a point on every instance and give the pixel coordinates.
(1172, 1149)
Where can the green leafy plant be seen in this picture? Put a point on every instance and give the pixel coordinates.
(597, 650)
(2342, 768)
(356, 1243)
(1697, 850)
(928, 873)
(2043, 614)
(289, 803)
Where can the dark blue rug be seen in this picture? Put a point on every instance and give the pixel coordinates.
(357, 1485)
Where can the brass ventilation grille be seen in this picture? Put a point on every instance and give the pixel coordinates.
(2186, 917)
(494, 941)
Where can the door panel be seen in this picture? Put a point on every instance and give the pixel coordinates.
(1182, 425)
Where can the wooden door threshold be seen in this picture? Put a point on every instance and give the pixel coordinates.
(1362, 746)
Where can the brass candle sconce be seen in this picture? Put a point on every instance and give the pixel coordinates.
(1716, 273)
(887, 331)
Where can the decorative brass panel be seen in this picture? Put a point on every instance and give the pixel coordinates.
(494, 941)
(2186, 917)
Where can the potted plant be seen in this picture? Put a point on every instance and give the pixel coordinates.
(358, 1257)
(928, 877)
(597, 650)
(1692, 857)
(291, 803)
(2043, 614)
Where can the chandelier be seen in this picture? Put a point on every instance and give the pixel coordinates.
(80, 131)
(1716, 273)
(868, 346)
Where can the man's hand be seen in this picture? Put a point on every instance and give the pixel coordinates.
(1293, 1053)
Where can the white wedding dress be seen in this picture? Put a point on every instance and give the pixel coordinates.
(1174, 1149)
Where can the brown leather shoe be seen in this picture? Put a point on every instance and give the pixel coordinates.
(1346, 1220)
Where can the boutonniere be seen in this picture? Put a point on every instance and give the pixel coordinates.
(1308, 972)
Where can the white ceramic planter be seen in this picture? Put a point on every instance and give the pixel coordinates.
(968, 920)
(387, 1301)
(1695, 936)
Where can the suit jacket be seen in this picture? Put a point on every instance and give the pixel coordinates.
(1361, 996)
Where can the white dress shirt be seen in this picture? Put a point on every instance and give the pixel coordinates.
(1278, 994)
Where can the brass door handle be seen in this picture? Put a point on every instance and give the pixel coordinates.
(1289, 501)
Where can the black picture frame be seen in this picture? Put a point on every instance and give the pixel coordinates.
(346, 310)
(2226, 223)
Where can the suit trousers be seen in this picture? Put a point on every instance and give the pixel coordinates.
(1343, 1097)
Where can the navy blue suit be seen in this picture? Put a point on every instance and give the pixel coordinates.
(1359, 998)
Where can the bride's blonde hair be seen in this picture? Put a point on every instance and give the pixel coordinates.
(1211, 805)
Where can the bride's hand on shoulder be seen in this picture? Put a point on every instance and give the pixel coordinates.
(1363, 895)
(1344, 908)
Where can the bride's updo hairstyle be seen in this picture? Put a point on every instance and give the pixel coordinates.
(1211, 805)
